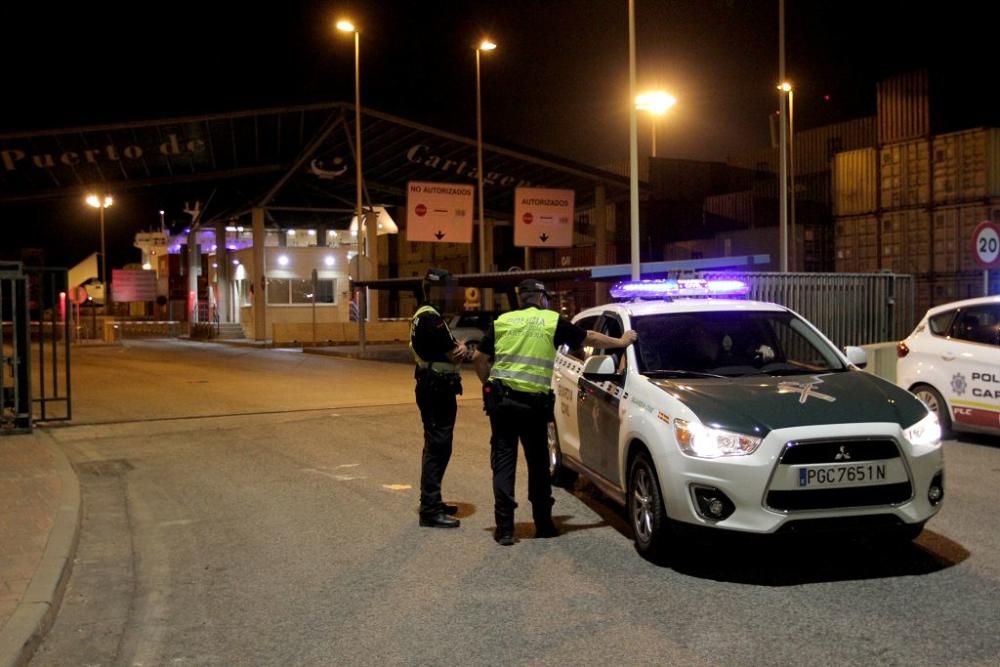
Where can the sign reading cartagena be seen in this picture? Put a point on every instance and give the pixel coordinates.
(543, 218)
(439, 212)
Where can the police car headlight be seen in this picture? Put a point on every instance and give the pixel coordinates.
(709, 443)
(927, 431)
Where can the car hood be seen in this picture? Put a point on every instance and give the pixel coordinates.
(762, 403)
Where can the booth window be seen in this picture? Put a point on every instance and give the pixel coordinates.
(284, 291)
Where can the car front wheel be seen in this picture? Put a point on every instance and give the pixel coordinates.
(648, 516)
(935, 402)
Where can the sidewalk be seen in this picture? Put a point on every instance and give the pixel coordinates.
(39, 521)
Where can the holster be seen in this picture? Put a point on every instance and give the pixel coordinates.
(440, 382)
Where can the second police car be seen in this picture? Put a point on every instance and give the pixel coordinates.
(738, 415)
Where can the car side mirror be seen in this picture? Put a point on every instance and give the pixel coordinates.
(601, 368)
(856, 355)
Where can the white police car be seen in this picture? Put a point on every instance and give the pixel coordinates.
(739, 415)
(952, 362)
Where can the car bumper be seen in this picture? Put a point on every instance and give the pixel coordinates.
(746, 481)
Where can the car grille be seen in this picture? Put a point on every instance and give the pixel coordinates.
(832, 451)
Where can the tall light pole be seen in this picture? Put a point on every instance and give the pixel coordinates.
(346, 26)
(783, 186)
(101, 203)
(485, 45)
(786, 88)
(657, 103)
(633, 147)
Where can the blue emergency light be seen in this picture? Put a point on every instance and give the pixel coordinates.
(665, 289)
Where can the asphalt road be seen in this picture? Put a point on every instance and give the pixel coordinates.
(258, 507)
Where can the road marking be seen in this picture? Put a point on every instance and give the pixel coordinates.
(397, 487)
(347, 465)
(176, 522)
(339, 478)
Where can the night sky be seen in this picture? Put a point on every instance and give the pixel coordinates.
(557, 83)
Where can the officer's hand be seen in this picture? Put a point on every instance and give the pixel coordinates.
(458, 353)
(628, 338)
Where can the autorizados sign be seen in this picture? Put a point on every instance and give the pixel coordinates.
(543, 217)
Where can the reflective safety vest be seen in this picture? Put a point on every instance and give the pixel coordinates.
(436, 366)
(524, 353)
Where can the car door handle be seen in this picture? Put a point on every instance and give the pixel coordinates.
(948, 356)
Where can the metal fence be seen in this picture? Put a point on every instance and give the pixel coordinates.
(34, 347)
(850, 308)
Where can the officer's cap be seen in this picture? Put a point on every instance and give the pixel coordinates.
(438, 277)
(529, 285)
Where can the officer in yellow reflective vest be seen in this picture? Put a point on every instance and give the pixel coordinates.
(515, 363)
(438, 357)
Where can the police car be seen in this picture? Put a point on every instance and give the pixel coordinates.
(738, 415)
(952, 362)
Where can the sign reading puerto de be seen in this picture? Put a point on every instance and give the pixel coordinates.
(439, 212)
(543, 218)
(986, 245)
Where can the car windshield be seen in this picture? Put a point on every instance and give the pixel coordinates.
(730, 344)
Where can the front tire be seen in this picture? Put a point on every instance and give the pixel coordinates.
(559, 474)
(935, 402)
(647, 514)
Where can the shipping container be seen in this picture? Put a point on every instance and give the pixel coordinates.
(737, 207)
(904, 175)
(855, 182)
(905, 241)
(903, 107)
(937, 289)
(856, 247)
(966, 166)
(814, 148)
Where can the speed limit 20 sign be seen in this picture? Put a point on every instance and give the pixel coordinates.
(986, 241)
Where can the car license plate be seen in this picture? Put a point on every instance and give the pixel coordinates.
(835, 475)
(843, 475)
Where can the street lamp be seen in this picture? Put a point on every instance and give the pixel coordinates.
(485, 45)
(786, 88)
(101, 204)
(657, 103)
(346, 26)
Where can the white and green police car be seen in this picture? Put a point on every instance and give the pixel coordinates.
(738, 415)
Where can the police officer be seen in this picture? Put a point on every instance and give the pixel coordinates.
(438, 357)
(515, 363)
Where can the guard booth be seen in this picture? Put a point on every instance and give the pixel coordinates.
(34, 347)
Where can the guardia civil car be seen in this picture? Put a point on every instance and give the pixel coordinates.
(738, 415)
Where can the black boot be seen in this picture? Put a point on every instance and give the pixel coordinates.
(504, 532)
(544, 526)
(439, 520)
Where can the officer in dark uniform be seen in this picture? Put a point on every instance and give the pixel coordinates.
(515, 363)
(438, 357)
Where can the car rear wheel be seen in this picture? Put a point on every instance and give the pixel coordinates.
(560, 475)
(650, 525)
(935, 402)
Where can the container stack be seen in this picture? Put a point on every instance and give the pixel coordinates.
(910, 205)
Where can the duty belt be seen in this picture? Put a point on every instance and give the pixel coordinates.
(442, 367)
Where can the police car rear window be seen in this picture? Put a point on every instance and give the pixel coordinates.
(940, 323)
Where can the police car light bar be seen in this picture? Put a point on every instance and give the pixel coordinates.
(658, 289)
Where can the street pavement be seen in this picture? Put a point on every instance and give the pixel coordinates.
(259, 507)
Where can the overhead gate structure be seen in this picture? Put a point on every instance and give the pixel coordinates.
(34, 347)
(850, 308)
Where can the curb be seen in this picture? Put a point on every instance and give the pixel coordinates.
(24, 631)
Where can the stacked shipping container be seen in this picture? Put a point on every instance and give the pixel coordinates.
(911, 204)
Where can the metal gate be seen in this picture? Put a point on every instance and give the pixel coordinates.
(850, 308)
(35, 343)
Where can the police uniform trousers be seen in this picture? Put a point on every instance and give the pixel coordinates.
(521, 416)
(438, 406)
